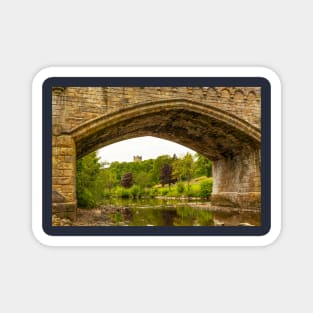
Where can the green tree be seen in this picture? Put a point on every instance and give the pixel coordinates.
(87, 171)
(157, 166)
(166, 175)
(184, 168)
(107, 179)
(119, 168)
(143, 179)
(203, 166)
(127, 180)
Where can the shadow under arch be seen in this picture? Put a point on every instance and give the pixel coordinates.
(203, 128)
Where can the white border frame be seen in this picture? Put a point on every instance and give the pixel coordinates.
(276, 140)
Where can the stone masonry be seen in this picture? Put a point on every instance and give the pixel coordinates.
(221, 123)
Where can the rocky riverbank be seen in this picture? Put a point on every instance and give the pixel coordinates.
(100, 216)
(58, 221)
(113, 215)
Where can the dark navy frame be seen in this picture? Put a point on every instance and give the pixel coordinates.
(261, 230)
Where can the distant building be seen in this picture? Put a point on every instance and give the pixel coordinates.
(137, 158)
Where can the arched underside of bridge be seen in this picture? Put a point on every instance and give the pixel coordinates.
(232, 144)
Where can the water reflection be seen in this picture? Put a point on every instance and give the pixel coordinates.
(174, 212)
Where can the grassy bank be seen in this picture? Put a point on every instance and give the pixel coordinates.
(199, 187)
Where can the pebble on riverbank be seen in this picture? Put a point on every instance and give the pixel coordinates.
(58, 221)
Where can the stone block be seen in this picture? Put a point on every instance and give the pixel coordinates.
(56, 172)
(65, 166)
(64, 141)
(68, 173)
(62, 180)
(66, 151)
(68, 159)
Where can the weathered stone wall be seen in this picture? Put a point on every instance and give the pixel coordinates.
(64, 175)
(221, 123)
(237, 180)
(77, 105)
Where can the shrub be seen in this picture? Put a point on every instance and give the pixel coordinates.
(193, 191)
(135, 191)
(107, 193)
(153, 192)
(164, 192)
(122, 192)
(172, 193)
(206, 188)
(85, 199)
(180, 187)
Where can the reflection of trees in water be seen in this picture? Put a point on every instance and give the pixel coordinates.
(174, 216)
(205, 218)
(143, 217)
(171, 212)
(168, 217)
(187, 216)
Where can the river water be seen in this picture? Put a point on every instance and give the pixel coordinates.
(174, 212)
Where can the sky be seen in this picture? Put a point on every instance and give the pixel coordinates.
(148, 147)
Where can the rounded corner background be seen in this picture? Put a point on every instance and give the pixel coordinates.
(267, 239)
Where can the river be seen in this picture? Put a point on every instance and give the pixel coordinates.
(166, 212)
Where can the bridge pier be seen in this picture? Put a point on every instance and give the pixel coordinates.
(237, 180)
(64, 176)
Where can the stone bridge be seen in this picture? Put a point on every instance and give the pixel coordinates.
(222, 124)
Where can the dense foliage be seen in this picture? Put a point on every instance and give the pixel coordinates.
(188, 175)
(88, 180)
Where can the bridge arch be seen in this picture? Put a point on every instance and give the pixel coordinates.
(232, 143)
(187, 122)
